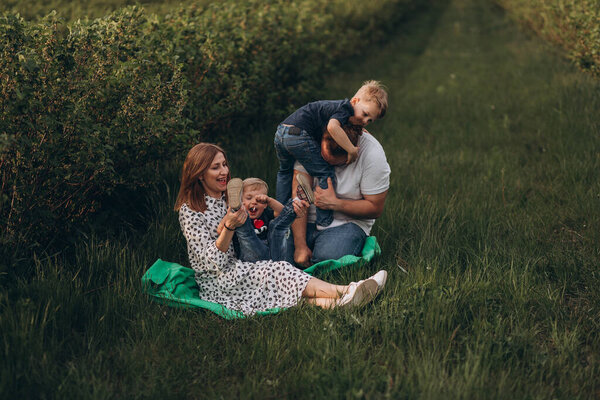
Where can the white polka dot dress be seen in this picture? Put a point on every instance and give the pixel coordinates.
(222, 278)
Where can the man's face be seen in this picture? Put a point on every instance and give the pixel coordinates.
(365, 112)
(327, 147)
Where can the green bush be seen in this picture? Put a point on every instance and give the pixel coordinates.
(97, 106)
(572, 24)
(73, 10)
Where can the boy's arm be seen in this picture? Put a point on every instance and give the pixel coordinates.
(270, 202)
(341, 138)
(275, 205)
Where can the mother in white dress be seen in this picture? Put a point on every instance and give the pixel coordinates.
(224, 279)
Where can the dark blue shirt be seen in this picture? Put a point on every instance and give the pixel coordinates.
(261, 224)
(315, 116)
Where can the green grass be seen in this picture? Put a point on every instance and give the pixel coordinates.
(490, 235)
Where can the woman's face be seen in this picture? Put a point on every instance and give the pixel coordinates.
(214, 178)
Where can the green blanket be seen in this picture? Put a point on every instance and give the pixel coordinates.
(173, 284)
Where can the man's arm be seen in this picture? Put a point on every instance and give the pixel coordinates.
(370, 206)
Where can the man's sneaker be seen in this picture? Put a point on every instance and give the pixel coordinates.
(234, 194)
(304, 189)
(358, 294)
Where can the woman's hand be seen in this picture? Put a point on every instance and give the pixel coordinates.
(233, 220)
(220, 226)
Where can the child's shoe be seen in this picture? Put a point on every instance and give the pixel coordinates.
(234, 194)
(304, 189)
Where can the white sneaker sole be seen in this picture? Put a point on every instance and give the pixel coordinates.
(304, 183)
(234, 193)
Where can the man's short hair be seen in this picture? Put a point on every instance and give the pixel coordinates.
(353, 132)
(374, 91)
(254, 183)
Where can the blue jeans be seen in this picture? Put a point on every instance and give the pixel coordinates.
(303, 148)
(333, 243)
(279, 245)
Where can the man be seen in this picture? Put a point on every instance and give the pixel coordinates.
(358, 200)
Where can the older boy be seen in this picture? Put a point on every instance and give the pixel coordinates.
(298, 137)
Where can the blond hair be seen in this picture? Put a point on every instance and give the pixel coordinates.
(374, 91)
(255, 183)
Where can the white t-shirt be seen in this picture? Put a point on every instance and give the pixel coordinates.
(368, 175)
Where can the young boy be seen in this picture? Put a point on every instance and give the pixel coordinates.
(266, 233)
(299, 136)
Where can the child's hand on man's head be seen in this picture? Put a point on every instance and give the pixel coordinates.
(352, 155)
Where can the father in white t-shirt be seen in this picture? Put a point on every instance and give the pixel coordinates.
(359, 198)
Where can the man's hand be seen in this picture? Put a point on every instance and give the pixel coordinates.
(326, 199)
(352, 155)
(302, 256)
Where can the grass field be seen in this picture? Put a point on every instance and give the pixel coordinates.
(490, 235)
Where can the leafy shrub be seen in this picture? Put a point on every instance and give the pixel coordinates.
(74, 10)
(572, 24)
(97, 106)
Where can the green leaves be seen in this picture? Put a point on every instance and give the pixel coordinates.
(571, 24)
(95, 106)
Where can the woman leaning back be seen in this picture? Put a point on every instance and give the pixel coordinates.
(224, 279)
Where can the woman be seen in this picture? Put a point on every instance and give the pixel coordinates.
(237, 285)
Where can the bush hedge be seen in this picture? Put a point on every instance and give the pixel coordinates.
(572, 24)
(96, 106)
(71, 10)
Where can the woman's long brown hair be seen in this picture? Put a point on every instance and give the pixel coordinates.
(198, 160)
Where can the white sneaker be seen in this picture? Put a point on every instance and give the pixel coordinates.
(304, 190)
(380, 278)
(359, 293)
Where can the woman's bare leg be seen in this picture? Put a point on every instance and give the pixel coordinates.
(317, 288)
(322, 302)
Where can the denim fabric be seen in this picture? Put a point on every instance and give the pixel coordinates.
(280, 243)
(307, 151)
(281, 240)
(251, 248)
(333, 243)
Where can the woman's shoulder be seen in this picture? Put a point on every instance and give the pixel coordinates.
(186, 212)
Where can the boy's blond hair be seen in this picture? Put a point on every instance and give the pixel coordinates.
(374, 91)
(254, 183)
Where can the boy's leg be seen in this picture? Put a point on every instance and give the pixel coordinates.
(307, 151)
(251, 248)
(285, 174)
(281, 240)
